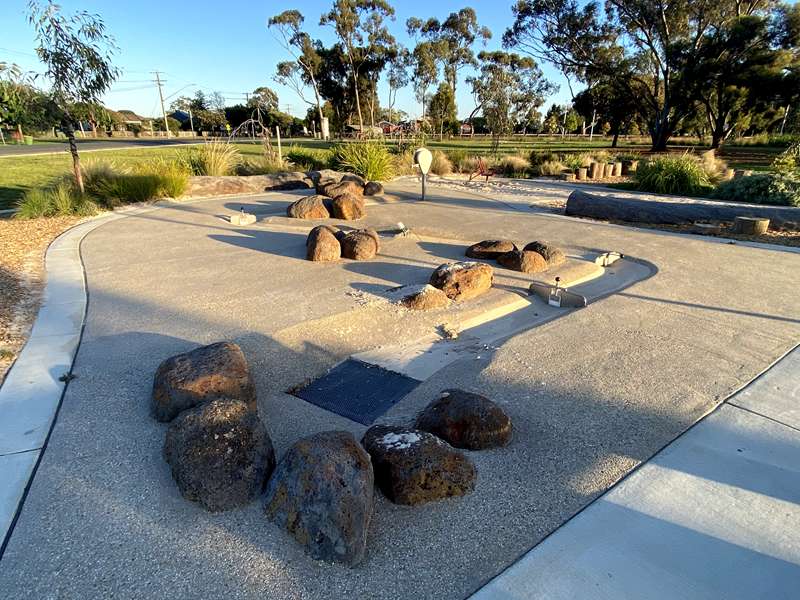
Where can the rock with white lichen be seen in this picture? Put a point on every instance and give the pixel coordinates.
(414, 467)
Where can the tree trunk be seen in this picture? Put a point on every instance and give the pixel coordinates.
(76, 160)
(615, 139)
(659, 136)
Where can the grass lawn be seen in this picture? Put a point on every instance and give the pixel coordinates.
(21, 173)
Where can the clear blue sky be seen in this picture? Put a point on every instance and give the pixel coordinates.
(225, 45)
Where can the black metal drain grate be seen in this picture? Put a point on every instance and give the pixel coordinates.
(357, 390)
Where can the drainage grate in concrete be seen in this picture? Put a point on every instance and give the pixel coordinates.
(359, 391)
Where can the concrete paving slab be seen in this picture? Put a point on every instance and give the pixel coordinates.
(32, 391)
(15, 471)
(714, 515)
(59, 319)
(775, 395)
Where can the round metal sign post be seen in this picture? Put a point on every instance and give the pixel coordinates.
(423, 159)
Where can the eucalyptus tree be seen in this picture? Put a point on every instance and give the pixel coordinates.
(660, 52)
(398, 76)
(361, 28)
(508, 87)
(304, 67)
(77, 54)
(453, 39)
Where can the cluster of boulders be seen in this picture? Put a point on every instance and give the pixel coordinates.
(338, 195)
(533, 258)
(321, 491)
(326, 244)
(450, 282)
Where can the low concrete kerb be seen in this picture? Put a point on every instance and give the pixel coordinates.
(31, 394)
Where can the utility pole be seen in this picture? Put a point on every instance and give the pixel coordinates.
(191, 120)
(161, 96)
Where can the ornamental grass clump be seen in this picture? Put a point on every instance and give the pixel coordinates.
(60, 199)
(513, 165)
(682, 175)
(372, 160)
(441, 165)
(215, 157)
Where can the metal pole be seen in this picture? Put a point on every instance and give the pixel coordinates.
(191, 120)
(161, 96)
(280, 153)
(424, 179)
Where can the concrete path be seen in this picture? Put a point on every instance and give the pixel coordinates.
(716, 514)
(592, 395)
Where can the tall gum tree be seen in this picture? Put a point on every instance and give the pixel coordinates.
(361, 29)
(653, 49)
(303, 68)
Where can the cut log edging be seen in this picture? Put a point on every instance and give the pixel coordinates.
(679, 212)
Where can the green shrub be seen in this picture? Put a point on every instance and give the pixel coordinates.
(538, 157)
(61, 199)
(111, 184)
(573, 162)
(371, 160)
(673, 175)
(310, 159)
(173, 176)
(513, 166)
(215, 158)
(551, 167)
(441, 165)
(781, 187)
(457, 157)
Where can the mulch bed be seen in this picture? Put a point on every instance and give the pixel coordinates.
(22, 247)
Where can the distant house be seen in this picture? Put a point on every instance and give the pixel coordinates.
(180, 116)
(467, 129)
(358, 131)
(131, 118)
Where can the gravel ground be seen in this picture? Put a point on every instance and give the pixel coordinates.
(22, 247)
(592, 395)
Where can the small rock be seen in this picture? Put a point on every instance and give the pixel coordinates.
(490, 249)
(342, 187)
(322, 245)
(552, 254)
(321, 186)
(242, 218)
(526, 261)
(373, 188)
(354, 178)
(348, 207)
(321, 493)
(414, 467)
(220, 454)
(310, 207)
(466, 420)
(216, 371)
(360, 244)
(463, 280)
(424, 297)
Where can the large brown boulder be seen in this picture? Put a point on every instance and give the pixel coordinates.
(310, 207)
(373, 188)
(322, 244)
(552, 254)
(348, 207)
(490, 249)
(360, 244)
(216, 371)
(463, 280)
(425, 297)
(321, 493)
(220, 454)
(333, 189)
(526, 261)
(466, 420)
(414, 467)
